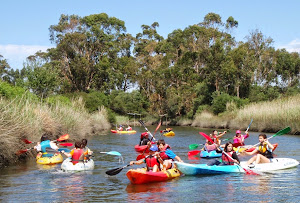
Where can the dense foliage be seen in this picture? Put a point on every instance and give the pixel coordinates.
(199, 68)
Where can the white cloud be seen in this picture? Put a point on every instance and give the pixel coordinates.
(17, 54)
(293, 46)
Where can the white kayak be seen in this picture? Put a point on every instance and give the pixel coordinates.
(67, 165)
(276, 164)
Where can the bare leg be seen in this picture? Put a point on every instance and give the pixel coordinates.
(251, 160)
(155, 168)
(262, 159)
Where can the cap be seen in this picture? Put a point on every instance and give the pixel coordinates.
(237, 132)
(153, 148)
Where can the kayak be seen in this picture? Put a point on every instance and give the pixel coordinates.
(67, 165)
(141, 175)
(142, 148)
(276, 164)
(204, 169)
(55, 159)
(240, 149)
(211, 154)
(169, 134)
(124, 131)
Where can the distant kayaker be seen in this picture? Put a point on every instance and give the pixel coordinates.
(42, 146)
(129, 128)
(144, 139)
(239, 139)
(264, 152)
(166, 154)
(86, 151)
(120, 128)
(152, 161)
(76, 154)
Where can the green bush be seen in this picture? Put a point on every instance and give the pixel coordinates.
(11, 92)
(94, 100)
(52, 100)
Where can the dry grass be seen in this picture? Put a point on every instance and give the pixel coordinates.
(23, 118)
(268, 116)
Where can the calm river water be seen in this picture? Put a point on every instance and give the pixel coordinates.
(34, 183)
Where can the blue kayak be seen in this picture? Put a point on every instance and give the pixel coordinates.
(204, 169)
(211, 154)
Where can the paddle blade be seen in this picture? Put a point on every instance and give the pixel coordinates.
(64, 149)
(193, 153)
(206, 137)
(114, 153)
(250, 172)
(115, 171)
(139, 157)
(66, 144)
(283, 131)
(63, 137)
(193, 146)
(26, 141)
(21, 152)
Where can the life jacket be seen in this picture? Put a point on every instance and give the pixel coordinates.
(151, 161)
(210, 148)
(120, 129)
(226, 160)
(216, 140)
(263, 150)
(128, 129)
(163, 155)
(76, 155)
(238, 140)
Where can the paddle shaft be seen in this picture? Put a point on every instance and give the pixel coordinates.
(249, 125)
(143, 124)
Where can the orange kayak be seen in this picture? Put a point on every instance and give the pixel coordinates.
(141, 175)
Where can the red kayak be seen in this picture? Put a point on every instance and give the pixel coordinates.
(141, 149)
(141, 176)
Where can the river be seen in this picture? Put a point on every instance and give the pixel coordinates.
(30, 182)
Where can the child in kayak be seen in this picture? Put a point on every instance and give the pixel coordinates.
(263, 151)
(77, 154)
(229, 156)
(215, 136)
(42, 146)
(239, 139)
(120, 128)
(152, 161)
(144, 139)
(129, 128)
(86, 151)
(166, 154)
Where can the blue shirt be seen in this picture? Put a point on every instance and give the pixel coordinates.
(170, 153)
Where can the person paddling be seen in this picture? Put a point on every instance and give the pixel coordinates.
(144, 139)
(264, 152)
(216, 136)
(166, 154)
(129, 128)
(239, 139)
(152, 161)
(86, 151)
(76, 154)
(42, 146)
(229, 156)
(120, 128)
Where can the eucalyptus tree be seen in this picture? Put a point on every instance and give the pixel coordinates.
(89, 50)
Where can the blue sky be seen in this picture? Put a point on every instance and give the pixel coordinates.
(24, 24)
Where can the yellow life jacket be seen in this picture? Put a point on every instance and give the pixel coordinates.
(262, 148)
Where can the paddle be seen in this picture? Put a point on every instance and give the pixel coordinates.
(113, 153)
(23, 151)
(247, 171)
(193, 153)
(195, 146)
(143, 124)
(50, 150)
(115, 171)
(66, 144)
(61, 138)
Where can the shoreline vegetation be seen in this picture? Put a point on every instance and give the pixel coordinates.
(25, 118)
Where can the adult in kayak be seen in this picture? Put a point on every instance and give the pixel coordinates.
(239, 139)
(129, 128)
(166, 154)
(120, 128)
(86, 151)
(144, 139)
(263, 151)
(77, 154)
(152, 161)
(42, 146)
(229, 156)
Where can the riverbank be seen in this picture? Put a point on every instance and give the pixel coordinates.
(27, 119)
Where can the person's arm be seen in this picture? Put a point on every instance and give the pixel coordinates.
(178, 158)
(269, 144)
(137, 162)
(221, 134)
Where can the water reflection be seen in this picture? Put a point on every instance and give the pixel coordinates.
(154, 192)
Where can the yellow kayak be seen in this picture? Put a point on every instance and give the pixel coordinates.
(169, 134)
(123, 131)
(55, 159)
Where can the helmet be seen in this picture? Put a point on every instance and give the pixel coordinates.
(153, 148)
(238, 132)
(144, 134)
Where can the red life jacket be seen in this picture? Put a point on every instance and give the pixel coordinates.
(163, 155)
(226, 160)
(151, 161)
(76, 155)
